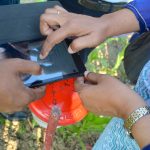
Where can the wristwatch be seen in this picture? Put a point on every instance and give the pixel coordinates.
(134, 117)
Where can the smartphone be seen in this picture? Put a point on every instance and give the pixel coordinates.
(58, 65)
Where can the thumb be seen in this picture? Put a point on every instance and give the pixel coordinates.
(35, 93)
(29, 67)
(92, 77)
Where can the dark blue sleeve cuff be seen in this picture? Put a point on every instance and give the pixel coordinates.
(141, 11)
(146, 148)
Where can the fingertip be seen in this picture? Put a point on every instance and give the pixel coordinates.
(79, 83)
(70, 50)
(43, 55)
(37, 69)
(80, 80)
(91, 76)
(86, 73)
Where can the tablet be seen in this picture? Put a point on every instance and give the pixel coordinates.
(58, 65)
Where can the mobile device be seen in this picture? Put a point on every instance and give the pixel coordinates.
(58, 65)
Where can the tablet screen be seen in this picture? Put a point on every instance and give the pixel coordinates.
(58, 65)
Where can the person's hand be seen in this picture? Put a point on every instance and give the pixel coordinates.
(88, 32)
(13, 94)
(105, 95)
(57, 24)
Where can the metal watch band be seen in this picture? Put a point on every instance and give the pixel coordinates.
(135, 116)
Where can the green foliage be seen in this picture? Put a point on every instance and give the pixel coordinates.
(34, 123)
(91, 123)
(107, 58)
(2, 120)
(31, 1)
(22, 128)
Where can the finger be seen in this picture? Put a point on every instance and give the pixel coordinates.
(29, 67)
(35, 94)
(92, 77)
(79, 84)
(44, 26)
(45, 29)
(55, 38)
(47, 21)
(87, 41)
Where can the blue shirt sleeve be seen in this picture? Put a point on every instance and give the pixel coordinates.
(141, 9)
(146, 148)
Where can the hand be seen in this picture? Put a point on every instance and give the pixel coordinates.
(57, 24)
(105, 95)
(88, 31)
(13, 94)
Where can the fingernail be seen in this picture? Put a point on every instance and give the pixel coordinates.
(70, 50)
(43, 56)
(86, 73)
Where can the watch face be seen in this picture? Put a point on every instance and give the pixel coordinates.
(58, 65)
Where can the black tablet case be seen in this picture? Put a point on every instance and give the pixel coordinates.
(20, 23)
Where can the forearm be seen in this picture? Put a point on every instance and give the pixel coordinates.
(141, 129)
(120, 22)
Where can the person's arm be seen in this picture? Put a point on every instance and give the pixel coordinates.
(105, 95)
(88, 31)
(120, 22)
(141, 10)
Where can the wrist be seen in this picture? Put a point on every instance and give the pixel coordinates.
(105, 25)
(132, 103)
(120, 22)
